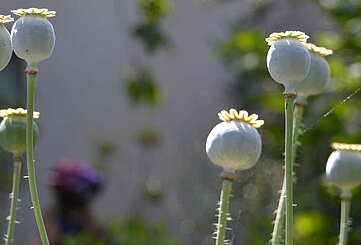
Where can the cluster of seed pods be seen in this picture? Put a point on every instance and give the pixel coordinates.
(235, 144)
(303, 71)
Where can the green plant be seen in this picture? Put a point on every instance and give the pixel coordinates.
(6, 49)
(343, 169)
(134, 231)
(33, 39)
(288, 62)
(316, 82)
(13, 140)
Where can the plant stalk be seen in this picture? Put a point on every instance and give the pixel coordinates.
(280, 212)
(345, 216)
(289, 109)
(223, 211)
(280, 217)
(31, 84)
(14, 196)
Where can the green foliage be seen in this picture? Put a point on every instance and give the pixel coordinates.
(130, 232)
(83, 239)
(148, 137)
(136, 232)
(155, 10)
(149, 31)
(314, 228)
(151, 36)
(141, 88)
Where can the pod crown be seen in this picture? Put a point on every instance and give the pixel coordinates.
(35, 11)
(5, 19)
(234, 115)
(276, 36)
(19, 112)
(318, 50)
(345, 147)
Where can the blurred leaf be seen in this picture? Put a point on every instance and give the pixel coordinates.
(141, 87)
(153, 190)
(136, 232)
(151, 36)
(312, 227)
(149, 137)
(155, 10)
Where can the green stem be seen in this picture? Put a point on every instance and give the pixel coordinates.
(289, 107)
(298, 115)
(31, 83)
(345, 216)
(280, 212)
(223, 212)
(280, 217)
(14, 196)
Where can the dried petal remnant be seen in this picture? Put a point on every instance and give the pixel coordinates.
(276, 36)
(240, 116)
(318, 50)
(345, 147)
(19, 112)
(35, 11)
(5, 19)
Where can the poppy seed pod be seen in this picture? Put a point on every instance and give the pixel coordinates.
(318, 79)
(6, 49)
(13, 130)
(288, 60)
(343, 167)
(235, 144)
(33, 36)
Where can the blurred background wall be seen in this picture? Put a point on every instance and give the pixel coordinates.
(154, 156)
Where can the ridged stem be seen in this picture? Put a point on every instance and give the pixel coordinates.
(280, 212)
(345, 216)
(31, 84)
(280, 217)
(223, 212)
(298, 116)
(14, 196)
(289, 107)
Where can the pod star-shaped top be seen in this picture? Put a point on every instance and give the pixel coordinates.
(276, 36)
(35, 12)
(345, 147)
(5, 19)
(19, 112)
(234, 115)
(318, 50)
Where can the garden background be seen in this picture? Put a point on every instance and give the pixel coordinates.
(135, 90)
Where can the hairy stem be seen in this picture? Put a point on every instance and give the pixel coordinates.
(223, 212)
(14, 196)
(280, 217)
(280, 212)
(289, 107)
(297, 115)
(345, 216)
(31, 84)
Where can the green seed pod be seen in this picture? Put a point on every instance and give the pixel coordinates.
(33, 36)
(6, 49)
(343, 167)
(288, 60)
(13, 130)
(318, 79)
(235, 144)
